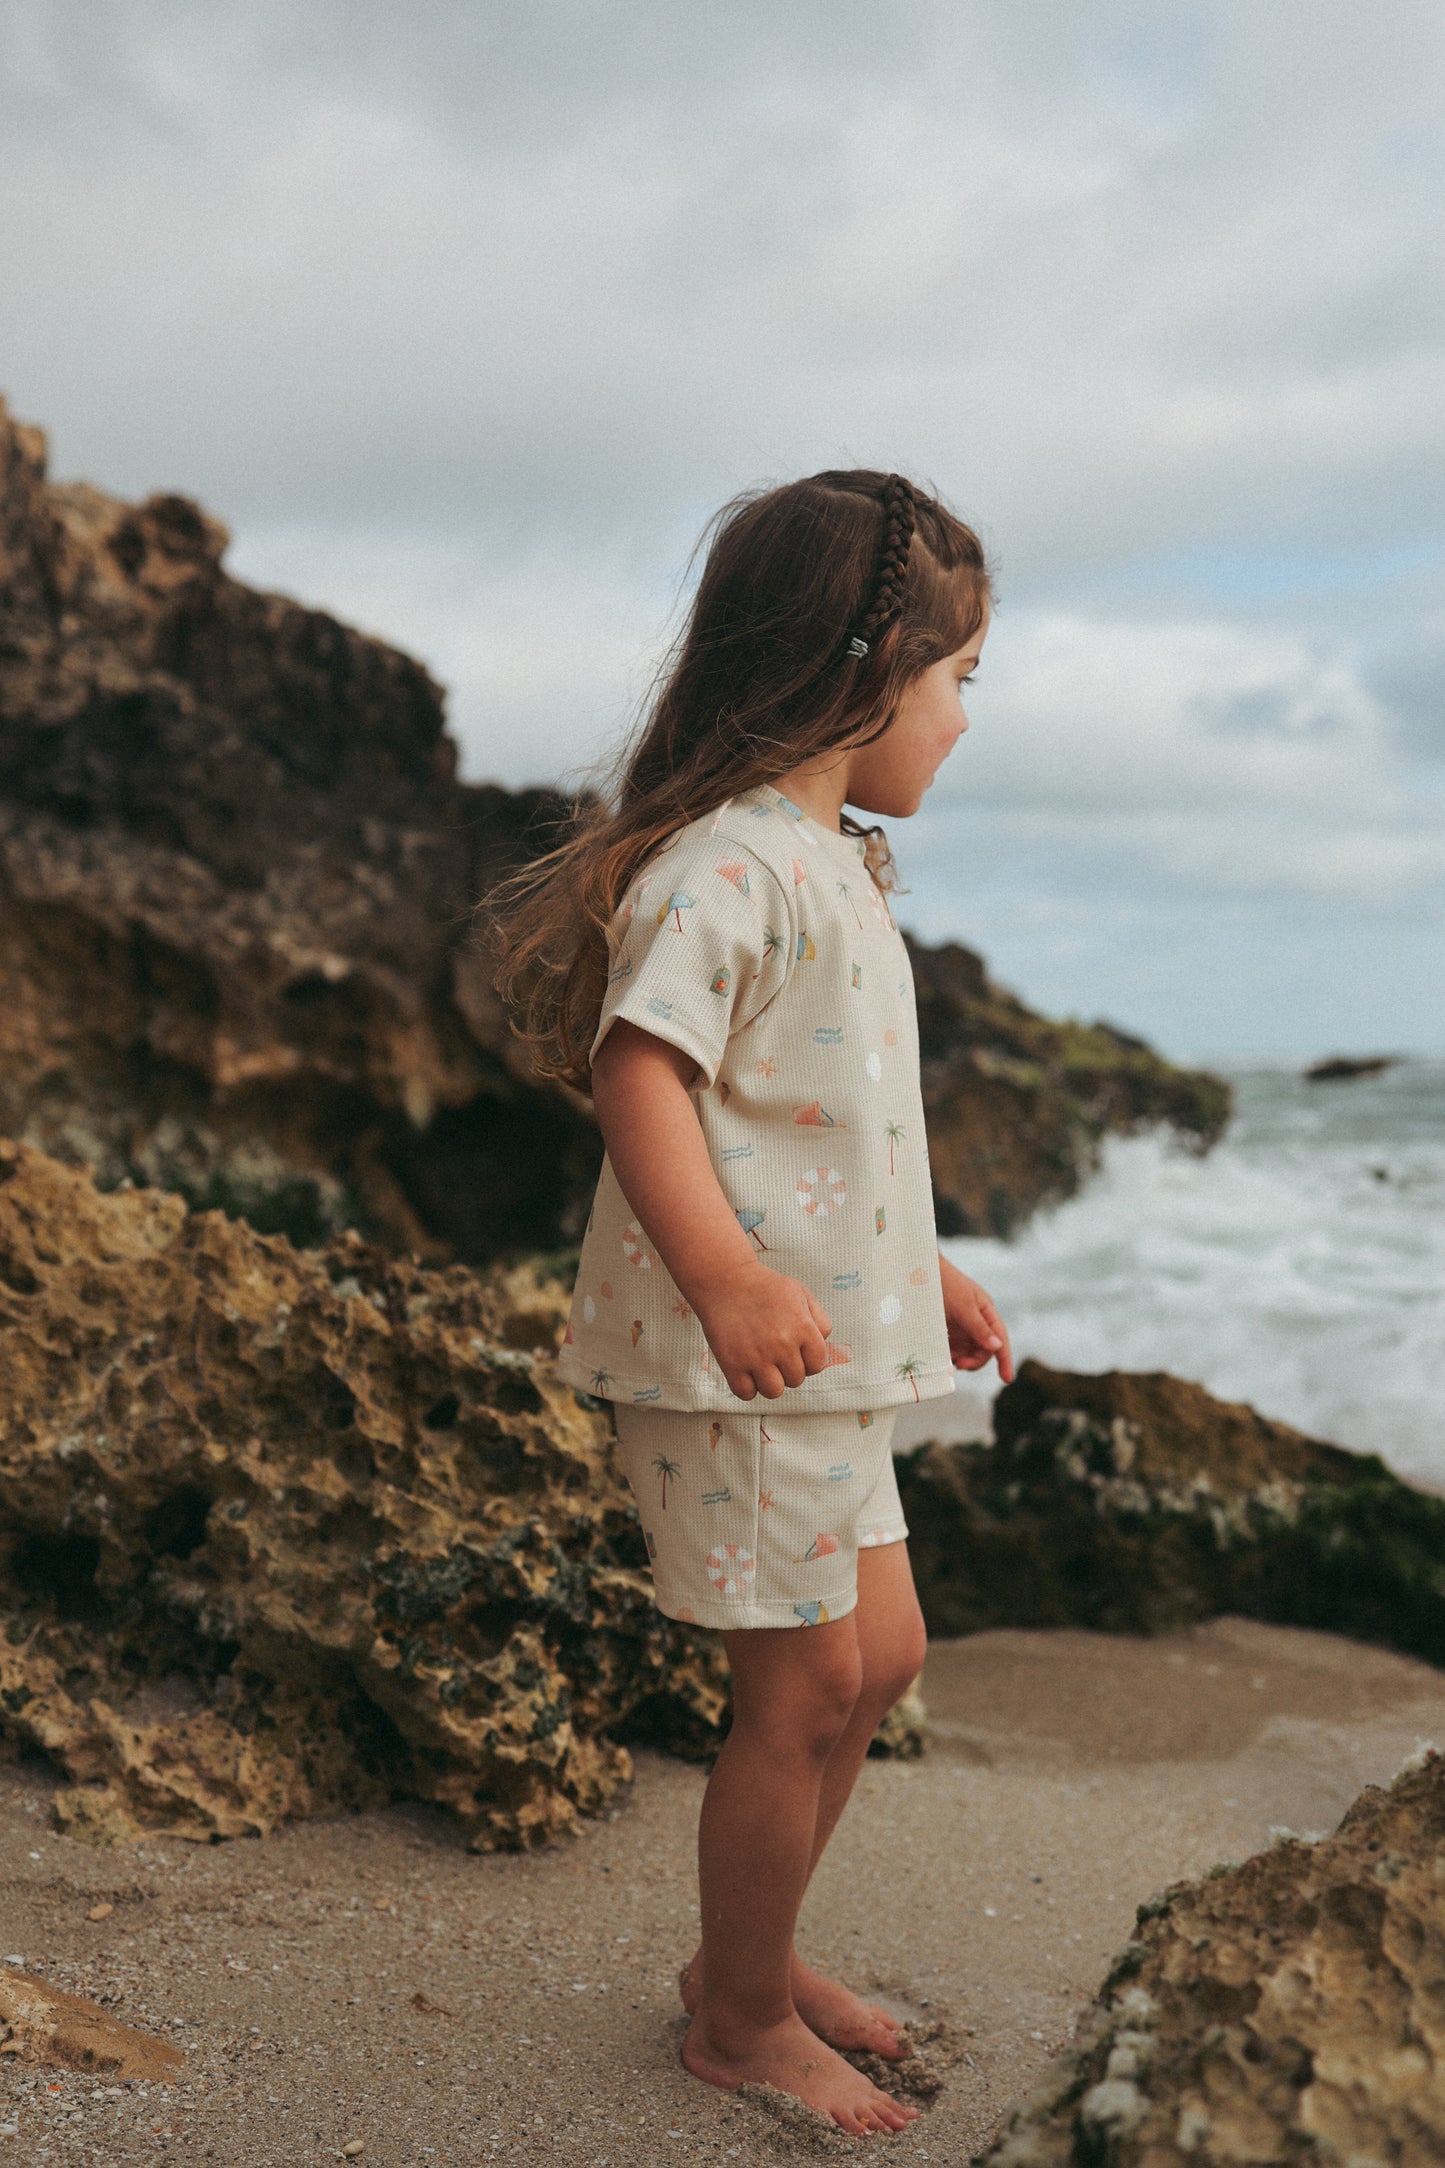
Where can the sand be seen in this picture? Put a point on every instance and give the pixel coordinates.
(368, 1979)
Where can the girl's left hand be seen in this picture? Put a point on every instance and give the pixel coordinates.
(977, 1334)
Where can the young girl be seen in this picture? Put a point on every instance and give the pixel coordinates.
(715, 960)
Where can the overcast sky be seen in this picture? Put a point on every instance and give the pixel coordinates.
(464, 316)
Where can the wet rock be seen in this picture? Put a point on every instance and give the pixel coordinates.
(39, 2024)
(1018, 1106)
(236, 956)
(1135, 1503)
(286, 1532)
(1347, 1068)
(1289, 2008)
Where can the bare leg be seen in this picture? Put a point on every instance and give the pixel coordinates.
(891, 1641)
(794, 1693)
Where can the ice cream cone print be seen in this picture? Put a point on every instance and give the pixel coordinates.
(714, 1435)
(822, 1546)
(636, 1330)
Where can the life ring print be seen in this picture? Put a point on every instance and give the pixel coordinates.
(633, 1250)
(731, 1569)
(821, 1190)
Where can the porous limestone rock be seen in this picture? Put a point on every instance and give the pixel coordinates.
(283, 1532)
(1135, 1503)
(236, 952)
(1289, 2008)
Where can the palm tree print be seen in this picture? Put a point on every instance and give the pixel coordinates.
(772, 942)
(601, 1379)
(845, 890)
(909, 1368)
(669, 1470)
(895, 1133)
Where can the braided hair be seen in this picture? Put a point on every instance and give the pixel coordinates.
(900, 517)
(853, 559)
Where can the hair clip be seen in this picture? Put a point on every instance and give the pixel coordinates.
(857, 646)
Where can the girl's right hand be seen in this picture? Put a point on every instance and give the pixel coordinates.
(766, 1330)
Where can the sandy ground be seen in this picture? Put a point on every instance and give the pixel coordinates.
(368, 1979)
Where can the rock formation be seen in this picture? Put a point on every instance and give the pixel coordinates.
(1018, 1107)
(1291, 2008)
(1135, 1503)
(282, 1532)
(236, 959)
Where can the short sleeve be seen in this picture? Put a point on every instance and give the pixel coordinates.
(700, 944)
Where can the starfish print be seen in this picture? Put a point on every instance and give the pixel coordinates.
(681, 1307)
(765, 1499)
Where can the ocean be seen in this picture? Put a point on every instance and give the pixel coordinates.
(1299, 1266)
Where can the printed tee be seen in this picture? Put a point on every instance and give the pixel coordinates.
(757, 941)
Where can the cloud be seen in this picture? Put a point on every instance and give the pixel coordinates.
(1083, 711)
(465, 317)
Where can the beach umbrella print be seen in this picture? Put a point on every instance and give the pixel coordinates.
(822, 1546)
(678, 902)
(750, 1218)
(669, 1470)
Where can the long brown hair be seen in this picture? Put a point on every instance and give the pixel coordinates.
(819, 603)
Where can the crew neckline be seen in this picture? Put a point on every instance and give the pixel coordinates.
(853, 847)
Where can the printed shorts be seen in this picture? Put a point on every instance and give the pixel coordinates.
(758, 1519)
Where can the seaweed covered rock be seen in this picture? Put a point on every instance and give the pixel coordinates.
(1134, 1503)
(236, 954)
(283, 1532)
(1291, 2008)
(1018, 1106)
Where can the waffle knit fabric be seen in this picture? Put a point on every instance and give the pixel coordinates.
(756, 1519)
(757, 941)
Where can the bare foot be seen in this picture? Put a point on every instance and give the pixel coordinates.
(796, 2061)
(833, 2011)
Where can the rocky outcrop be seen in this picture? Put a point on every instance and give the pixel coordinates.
(236, 869)
(283, 1532)
(236, 957)
(1291, 2008)
(1018, 1107)
(1135, 1503)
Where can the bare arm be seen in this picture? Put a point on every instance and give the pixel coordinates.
(766, 1329)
